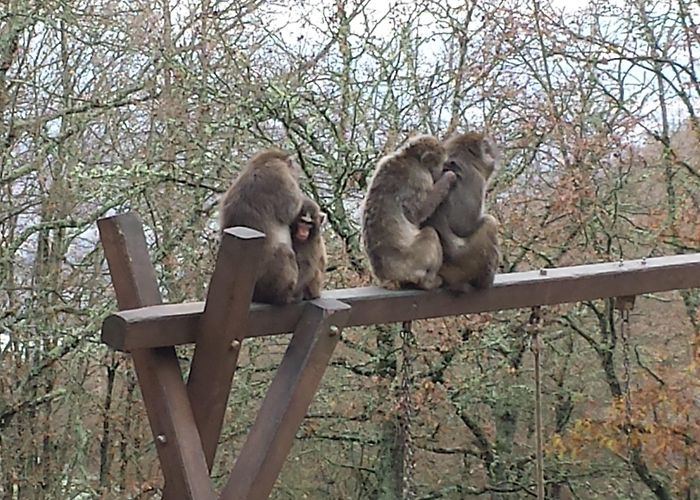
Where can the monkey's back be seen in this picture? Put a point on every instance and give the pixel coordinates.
(462, 207)
(386, 231)
(261, 197)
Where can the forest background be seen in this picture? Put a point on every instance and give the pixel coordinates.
(108, 106)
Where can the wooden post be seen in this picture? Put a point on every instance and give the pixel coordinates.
(289, 396)
(158, 371)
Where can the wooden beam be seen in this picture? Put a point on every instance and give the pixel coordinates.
(158, 371)
(222, 328)
(287, 400)
(177, 324)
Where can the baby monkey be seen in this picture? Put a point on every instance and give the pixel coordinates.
(310, 249)
(406, 188)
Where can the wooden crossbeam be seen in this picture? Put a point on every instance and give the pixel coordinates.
(176, 324)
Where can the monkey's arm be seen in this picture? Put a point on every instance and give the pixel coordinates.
(419, 214)
(465, 228)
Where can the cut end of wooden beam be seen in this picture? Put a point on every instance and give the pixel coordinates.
(332, 312)
(330, 305)
(244, 233)
(125, 215)
(112, 328)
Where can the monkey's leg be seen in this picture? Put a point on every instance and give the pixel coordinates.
(313, 288)
(411, 266)
(472, 260)
(278, 284)
(491, 255)
(425, 260)
(485, 229)
(420, 213)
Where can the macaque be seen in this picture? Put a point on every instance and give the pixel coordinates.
(406, 188)
(310, 249)
(266, 196)
(469, 237)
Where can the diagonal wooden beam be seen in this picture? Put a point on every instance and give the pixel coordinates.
(222, 328)
(285, 404)
(158, 371)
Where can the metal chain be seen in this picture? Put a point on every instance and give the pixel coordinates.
(627, 393)
(406, 408)
(535, 322)
(624, 327)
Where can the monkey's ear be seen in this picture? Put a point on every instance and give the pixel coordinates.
(489, 151)
(491, 158)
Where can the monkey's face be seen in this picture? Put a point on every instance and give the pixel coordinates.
(477, 150)
(304, 228)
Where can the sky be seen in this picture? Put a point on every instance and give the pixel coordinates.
(569, 4)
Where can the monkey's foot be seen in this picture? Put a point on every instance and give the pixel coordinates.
(430, 283)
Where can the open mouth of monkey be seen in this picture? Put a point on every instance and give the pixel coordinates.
(303, 231)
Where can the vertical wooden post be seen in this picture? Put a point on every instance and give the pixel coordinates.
(158, 371)
(223, 327)
(285, 404)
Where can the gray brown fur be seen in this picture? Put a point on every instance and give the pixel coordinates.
(266, 196)
(403, 193)
(469, 237)
(310, 254)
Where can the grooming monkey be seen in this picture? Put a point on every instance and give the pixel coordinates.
(469, 237)
(406, 188)
(310, 249)
(266, 196)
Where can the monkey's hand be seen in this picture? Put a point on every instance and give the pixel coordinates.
(437, 195)
(449, 177)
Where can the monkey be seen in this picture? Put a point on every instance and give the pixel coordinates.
(310, 249)
(404, 191)
(266, 196)
(469, 237)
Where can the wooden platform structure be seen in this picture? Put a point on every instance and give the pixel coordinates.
(187, 418)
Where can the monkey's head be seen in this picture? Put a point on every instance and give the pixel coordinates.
(308, 224)
(428, 151)
(279, 159)
(475, 149)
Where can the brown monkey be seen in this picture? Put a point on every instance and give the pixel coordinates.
(266, 197)
(405, 190)
(310, 249)
(469, 237)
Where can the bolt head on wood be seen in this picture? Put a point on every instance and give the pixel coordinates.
(161, 439)
(235, 345)
(334, 330)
